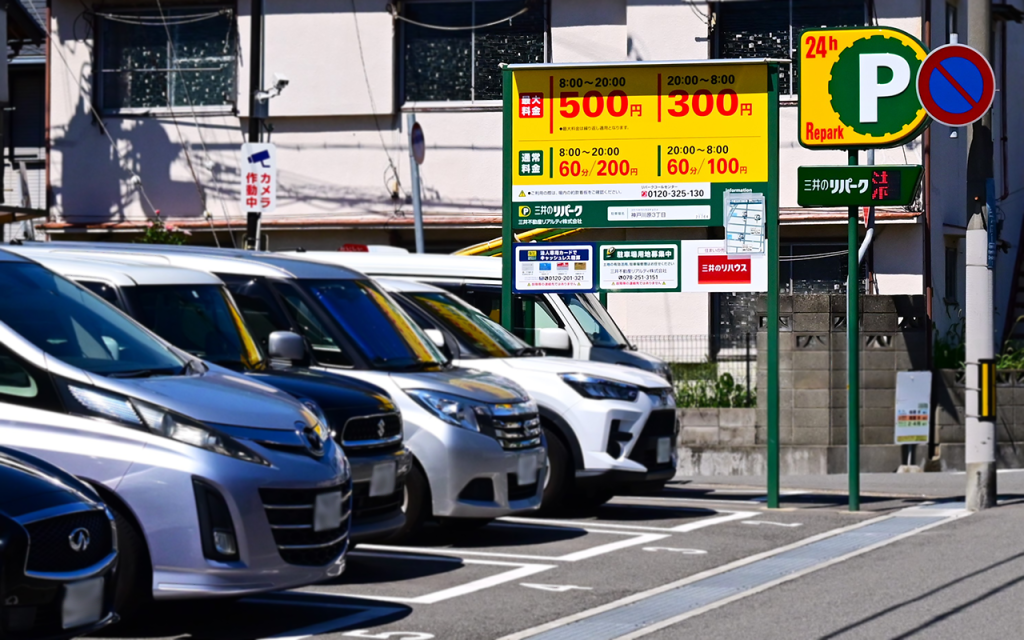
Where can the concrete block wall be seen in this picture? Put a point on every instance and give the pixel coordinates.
(812, 384)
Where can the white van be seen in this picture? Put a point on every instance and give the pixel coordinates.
(574, 325)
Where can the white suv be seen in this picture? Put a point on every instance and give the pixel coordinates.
(609, 428)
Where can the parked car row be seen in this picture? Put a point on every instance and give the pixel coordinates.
(243, 418)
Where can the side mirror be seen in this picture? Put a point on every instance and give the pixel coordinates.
(553, 338)
(436, 337)
(286, 345)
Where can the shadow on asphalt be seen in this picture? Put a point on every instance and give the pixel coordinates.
(259, 616)
(373, 569)
(493, 536)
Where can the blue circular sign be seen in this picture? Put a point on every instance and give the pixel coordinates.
(956, 85)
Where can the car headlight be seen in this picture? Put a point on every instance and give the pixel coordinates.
(455, 410)
(600, 388)
(662, 398)
(143, 415)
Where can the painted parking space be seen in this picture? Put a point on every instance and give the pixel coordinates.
(519, 571)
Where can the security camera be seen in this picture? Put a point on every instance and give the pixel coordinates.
(280, 81)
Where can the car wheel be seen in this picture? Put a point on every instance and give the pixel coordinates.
(416, 505)
(134, 576)
(557, 478)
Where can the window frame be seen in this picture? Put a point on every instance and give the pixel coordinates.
(230, 108)
(426, 106)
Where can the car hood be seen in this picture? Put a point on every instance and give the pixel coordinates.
(631, 375)
(29, 485)
(332, 392)
(218, 397)
(468, 383)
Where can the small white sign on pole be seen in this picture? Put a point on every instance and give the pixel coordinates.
(913, 406)
(259, 177)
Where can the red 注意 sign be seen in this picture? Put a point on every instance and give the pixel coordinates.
(722, 270)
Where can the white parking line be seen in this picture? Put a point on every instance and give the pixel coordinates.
(521, 570)
(590, 525)
(636, 539)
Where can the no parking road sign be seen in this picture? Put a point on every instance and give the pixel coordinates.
(956, 85)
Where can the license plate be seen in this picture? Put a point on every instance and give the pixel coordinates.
(83, 603)
(664, 450)
(327, 511)
(527, 472)
(382, 482)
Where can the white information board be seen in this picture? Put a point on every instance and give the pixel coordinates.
(553, 267)
(913, 406)
(636, 266)
(709, 266)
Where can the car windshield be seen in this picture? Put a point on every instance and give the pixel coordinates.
(598, 325)
(200, 319)
(73, 325)
(379, 328)
(484, 337)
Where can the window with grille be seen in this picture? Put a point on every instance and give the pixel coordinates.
(443, 59)
(771, 28)
(178, 58)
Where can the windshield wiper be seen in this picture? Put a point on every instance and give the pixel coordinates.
(139, 373)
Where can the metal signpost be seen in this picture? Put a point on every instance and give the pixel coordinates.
(643, 144)
(856, 92)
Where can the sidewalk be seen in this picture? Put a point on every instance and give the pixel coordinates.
(929, 485)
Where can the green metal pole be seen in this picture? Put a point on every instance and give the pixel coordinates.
(507, 275)
(853, 356)
(772, 330)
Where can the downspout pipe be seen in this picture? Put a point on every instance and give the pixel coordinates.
(869, 222)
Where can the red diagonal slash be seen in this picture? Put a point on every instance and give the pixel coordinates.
(956, 85)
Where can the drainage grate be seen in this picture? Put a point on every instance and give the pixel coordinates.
(669, 604)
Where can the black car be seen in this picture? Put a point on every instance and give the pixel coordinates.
(58, 552)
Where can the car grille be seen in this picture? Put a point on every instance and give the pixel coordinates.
(371, 431)
(514, 432)
(290, 512)
(50, 546)
(366, 508)
(660, 424)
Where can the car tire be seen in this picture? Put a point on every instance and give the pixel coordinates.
(416, 504)
(558, 478)
(134, 590)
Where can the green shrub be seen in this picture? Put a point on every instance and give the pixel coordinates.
(699, 385)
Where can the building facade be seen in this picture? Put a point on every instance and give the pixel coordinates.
(148, 106)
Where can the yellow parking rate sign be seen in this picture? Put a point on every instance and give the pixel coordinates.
(858, 88)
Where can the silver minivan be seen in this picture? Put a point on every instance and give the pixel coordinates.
(475, 437)
(220, 485)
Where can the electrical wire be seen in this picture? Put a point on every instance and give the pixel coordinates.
(136, 178)
(814, 256)
(397, 16)
(199, 130)
(162, 20)
(373, 104)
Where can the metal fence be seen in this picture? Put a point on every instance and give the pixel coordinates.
(703, 355)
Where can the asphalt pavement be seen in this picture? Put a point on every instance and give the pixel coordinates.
(902, 565)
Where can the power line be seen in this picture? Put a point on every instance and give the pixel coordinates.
(397, 16)
(199, 130)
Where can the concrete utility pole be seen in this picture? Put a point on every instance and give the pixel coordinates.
(253, 218)
(980, 453)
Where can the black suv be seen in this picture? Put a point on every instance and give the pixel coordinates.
(58, 552)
